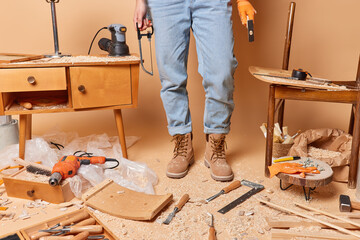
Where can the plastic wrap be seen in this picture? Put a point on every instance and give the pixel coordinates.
(133, 175)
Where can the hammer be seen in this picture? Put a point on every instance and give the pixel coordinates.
(345, 205)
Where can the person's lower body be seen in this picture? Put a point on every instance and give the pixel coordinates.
(211, 23)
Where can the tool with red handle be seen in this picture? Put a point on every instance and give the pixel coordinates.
(69, 165)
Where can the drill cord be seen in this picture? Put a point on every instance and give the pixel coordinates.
(95, 37)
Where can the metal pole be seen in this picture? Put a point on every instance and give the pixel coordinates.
(54, 23)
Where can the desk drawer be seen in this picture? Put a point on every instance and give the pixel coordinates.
(32, 79)
(100, 86)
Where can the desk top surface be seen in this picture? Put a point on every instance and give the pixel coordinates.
(74, 61)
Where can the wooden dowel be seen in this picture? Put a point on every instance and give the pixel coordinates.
(328, 214)
(309, 217)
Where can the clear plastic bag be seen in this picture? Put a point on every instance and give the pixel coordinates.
(133, 175)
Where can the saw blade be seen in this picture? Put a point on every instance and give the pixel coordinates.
(239, 200)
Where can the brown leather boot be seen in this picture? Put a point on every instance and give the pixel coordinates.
(183, 157)
(215, 158)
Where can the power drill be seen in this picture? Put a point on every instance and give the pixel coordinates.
(117, 45)
(69, 165)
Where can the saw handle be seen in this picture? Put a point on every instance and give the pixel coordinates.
(234, 185)
(182, 201)
(81, 236)
(212, 233)
(88, 228)
(75, 219)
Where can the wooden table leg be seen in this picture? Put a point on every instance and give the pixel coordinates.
(28, 132)
(120, 128)
(281, 114)
(270, 129)
(354, 157)
(22, 134)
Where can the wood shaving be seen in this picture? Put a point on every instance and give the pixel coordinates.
(318, 153)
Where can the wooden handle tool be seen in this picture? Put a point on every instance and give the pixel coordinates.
(212, 232)
(234, 185)
(182, 202)
(177, 208)
(75, 219)
(89, 221)
(81, 236)
(68, 237)
(88, 228)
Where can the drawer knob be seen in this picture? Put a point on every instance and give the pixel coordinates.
(30, 193)
(31, 80)
(81, 88)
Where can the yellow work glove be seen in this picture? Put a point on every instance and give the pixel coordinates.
(245, 10)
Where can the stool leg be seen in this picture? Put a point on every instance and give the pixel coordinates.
(120, 128)
(270, 129)
(281, 114)
(351, 123)
(354, 157)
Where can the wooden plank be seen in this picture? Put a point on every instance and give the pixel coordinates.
(285, 234)
(15, 57)
(286, 224)
(309, 217)
(328, 214)
(283, 92)
(129, 204)
(289, 82)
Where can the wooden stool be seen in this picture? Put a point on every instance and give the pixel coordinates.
(282, 92)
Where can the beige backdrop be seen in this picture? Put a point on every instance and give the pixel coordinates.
(326, 42)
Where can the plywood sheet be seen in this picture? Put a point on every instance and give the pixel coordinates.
(278, 79)
(111, 198)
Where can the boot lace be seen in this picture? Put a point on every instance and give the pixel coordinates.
(180, 145)
(218, 147)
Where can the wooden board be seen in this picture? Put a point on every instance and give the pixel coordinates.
(113, 199)
(14, 57)
(311, 180)
(285, 234)
(289, 82)
(32, 190)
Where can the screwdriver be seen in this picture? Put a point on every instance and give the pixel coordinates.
(232, 186)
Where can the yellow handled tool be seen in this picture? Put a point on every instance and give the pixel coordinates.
(286, 159)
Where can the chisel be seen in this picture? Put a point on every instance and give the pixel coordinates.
(36, 235)
(177, 208)
(212, 232)
(71, 220)
(76, 229)
(232, 186)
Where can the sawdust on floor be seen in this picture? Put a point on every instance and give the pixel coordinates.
(247, 221)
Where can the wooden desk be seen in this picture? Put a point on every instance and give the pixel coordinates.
(70, 84)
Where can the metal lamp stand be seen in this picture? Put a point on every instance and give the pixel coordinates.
(55, 31)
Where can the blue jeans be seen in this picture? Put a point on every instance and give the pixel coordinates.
(210, 21)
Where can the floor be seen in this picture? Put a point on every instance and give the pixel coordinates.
(247, 221)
